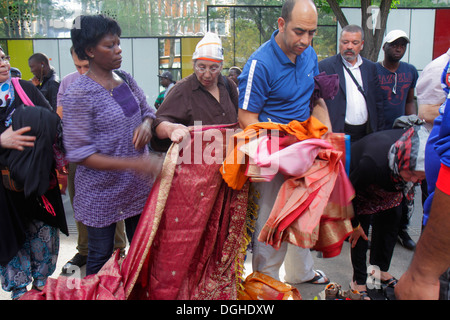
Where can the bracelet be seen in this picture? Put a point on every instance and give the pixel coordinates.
(147, 124)
(356, 228)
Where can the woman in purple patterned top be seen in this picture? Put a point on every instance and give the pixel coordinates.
(107, 125)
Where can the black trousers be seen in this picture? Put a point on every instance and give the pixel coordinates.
(385, 227)
(355, 132)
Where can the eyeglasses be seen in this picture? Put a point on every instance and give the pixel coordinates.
(213, 69)
(5, 59)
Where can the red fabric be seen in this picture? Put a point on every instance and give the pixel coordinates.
(201, 232)
(188, 245)
(105, 285)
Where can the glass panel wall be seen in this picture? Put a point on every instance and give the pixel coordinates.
(244, 28)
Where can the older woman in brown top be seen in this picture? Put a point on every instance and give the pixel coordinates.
(204, 96)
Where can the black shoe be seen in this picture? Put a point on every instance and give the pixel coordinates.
(77, 261)
(405, 240)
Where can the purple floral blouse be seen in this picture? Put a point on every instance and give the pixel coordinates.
(97, 121)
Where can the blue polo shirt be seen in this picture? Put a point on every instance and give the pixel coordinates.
(274, 87)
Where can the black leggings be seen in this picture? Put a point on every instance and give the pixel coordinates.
(385, 227)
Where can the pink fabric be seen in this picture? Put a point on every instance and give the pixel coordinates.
(293, 160)
(320, 193)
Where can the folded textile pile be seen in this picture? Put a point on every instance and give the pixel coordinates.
(313, 207)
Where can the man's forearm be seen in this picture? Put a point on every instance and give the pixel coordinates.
(320, 111)
(432, 256)
(247, 118)
(428, 112)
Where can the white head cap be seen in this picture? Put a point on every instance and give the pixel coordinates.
(209, 48)
(394, 35)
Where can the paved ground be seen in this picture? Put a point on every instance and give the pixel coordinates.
(338, 269)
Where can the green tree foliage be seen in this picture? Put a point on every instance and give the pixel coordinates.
(17, 17)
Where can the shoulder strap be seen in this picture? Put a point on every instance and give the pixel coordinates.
(122, 75)
(356, 82)
(227, 85)
(22, 95)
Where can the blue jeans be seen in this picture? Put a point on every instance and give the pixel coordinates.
(101, 243)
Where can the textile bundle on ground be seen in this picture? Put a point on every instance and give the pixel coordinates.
(191, 238)
(258, 286)
(313, 207)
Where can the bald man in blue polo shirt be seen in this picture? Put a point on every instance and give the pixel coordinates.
(276, 85)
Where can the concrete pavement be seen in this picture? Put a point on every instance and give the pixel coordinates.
(338, 269)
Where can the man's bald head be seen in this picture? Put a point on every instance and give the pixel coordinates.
(304, 5)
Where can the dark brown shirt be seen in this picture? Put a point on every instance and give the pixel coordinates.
(189, 101)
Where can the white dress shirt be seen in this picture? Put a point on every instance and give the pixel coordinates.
(356, 113)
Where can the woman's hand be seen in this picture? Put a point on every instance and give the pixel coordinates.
(174, 131)
(11, 139)
(148, 165)
(178, 132)
(142, 134)
(357, 233)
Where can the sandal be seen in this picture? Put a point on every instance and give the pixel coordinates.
(319, 278)
(332, 291)
(364, 294)
(390, 283)
(352, 295)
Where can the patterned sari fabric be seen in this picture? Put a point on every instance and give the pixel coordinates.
(196, 249)
(191, 239)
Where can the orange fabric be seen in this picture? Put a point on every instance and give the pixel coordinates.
(234, 166)
(258, 286)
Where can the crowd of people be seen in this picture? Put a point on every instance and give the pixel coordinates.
(349, 143)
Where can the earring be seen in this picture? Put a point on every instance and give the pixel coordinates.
(92, 56)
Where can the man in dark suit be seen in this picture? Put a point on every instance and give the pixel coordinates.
(357, 109)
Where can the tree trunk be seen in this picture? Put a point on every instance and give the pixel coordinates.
(338, 12)
(374, 31)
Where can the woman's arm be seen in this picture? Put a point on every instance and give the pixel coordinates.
(150, 164)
